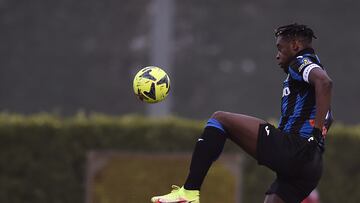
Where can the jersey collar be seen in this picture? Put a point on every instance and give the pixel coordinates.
(305, 51)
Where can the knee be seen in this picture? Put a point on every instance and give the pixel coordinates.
(218, 120)
(219, 115)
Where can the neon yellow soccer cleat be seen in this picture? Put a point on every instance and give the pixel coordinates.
(178, 195)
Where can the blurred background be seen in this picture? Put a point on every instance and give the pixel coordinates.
(64, 57)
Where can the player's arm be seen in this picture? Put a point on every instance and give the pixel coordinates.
(323, 86)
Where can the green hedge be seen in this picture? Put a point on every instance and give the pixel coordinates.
(42, 157)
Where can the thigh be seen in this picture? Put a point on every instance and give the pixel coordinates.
(292, 190)
(241, 129)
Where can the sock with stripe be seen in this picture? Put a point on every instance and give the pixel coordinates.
(207, 149)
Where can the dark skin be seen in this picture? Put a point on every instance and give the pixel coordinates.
(243, 130)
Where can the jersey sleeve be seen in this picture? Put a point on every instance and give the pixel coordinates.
(301, 68)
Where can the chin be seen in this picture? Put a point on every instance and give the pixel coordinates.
(286, 69)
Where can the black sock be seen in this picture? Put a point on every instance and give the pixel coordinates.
(207, 149)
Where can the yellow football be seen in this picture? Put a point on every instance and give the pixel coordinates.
(151, 84)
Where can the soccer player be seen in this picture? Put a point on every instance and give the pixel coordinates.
(294, 149)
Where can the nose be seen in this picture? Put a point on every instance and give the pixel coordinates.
(278, 56)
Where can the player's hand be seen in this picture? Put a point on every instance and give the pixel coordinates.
(318, 138)
(317, 133)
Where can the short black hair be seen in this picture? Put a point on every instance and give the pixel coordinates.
(294, 31)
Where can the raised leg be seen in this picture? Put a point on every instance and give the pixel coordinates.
(241, 129)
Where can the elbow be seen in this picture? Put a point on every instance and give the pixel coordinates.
(326, 83)
(329, 83)
(323, 83)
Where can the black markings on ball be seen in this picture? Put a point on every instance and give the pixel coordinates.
(147, 75)
(163, 80)
(151, 93)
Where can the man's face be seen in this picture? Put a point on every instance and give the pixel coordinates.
(286, 51)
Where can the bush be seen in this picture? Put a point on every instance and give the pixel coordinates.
(42, 157)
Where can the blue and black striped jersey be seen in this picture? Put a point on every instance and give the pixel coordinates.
(298, 106)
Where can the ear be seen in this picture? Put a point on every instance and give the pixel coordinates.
(295, 45)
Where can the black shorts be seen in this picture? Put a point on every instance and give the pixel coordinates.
(296, 160)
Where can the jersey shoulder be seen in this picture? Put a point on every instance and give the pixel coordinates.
(301, 66)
